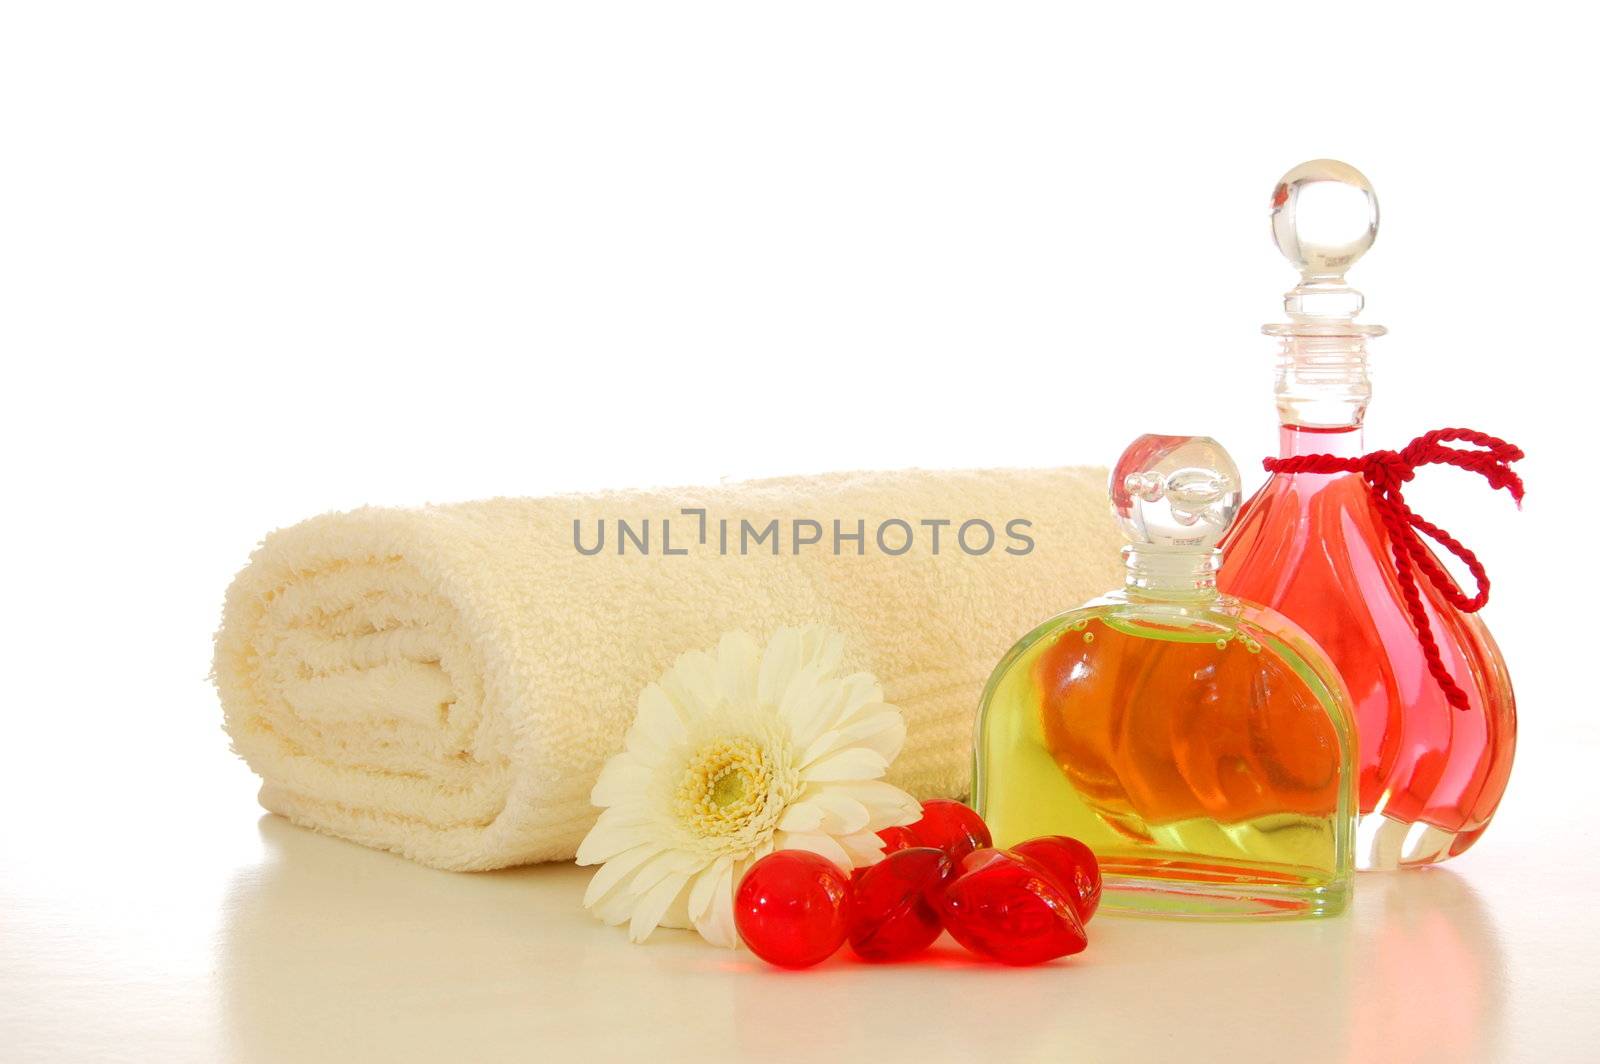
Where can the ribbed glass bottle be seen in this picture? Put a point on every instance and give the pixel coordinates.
(1312, 547)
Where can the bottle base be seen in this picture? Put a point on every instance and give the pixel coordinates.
(1384, 844)
(1175, 890)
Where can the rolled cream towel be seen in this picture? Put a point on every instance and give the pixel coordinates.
(446, 682)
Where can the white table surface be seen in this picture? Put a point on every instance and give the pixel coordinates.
(156, 914)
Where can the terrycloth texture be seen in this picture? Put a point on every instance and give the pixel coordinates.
(445, 682)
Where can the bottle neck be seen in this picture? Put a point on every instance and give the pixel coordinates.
(1184, 574)
(1322, 376)
(1342, 442)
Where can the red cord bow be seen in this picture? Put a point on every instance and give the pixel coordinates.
(1385, 472)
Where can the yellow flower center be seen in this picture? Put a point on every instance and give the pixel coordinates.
(725, 787)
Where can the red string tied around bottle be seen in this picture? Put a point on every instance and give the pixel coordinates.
(1385, 472)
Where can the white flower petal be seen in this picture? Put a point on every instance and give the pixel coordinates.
(887, 804)
(656, 725)
(649, 910)
(630, 814)
(717, 927)
(861, 694)
(615, 908)
(704, 889)
(612, 872)
(820, 844)
(738, 661)
(855, 763)
(677, 914)
(845, 815)
(884, 732)
(802, 816)
(809, 706)
(864, 848)
(662, 866)
(622, 778)
(890, 738)
(692, 682)
(824, 744)
(606, 840)
(822, 647)
(778, 665)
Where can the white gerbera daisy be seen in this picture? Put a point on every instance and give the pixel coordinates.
(732, 756)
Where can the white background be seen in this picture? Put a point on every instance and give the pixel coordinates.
(260, 261)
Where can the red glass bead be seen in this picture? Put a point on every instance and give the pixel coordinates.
(898, 838)
(894, 912)
(952, 827)
(1072, 863)
(793, 908)
(1006, 907)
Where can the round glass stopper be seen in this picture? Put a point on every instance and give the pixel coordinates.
(1324, 218)
(1175, 491)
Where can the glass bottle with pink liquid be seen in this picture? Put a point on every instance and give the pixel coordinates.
(1313, 547)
